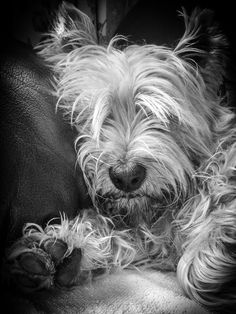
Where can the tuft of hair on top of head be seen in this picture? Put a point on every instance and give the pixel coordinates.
(71, 28)
(204, 45)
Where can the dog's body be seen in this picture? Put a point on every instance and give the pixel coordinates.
(156, 144)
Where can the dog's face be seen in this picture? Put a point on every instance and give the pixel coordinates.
(134, 147)
(147, 116)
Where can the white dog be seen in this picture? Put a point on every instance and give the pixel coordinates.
(156, 144)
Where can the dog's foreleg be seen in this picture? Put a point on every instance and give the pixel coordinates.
(68, 253)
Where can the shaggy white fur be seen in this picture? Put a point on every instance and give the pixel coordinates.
(101, 245)
(160, 108)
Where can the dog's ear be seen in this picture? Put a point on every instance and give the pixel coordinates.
(73, 27)
(203, 44)
(70, 29)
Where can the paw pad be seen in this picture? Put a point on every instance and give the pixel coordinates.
(34, 265)
(30, 268)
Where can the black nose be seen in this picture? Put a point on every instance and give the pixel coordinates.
(127, 180)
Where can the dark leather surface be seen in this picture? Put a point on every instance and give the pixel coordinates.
(37, 168)
(38, 173)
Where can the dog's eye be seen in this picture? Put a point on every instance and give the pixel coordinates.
(160, 130)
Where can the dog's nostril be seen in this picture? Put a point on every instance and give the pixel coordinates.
(130, 180)
(117, 181)
(135, 180)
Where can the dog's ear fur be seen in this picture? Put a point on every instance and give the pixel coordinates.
(71, 29)
(203, 44)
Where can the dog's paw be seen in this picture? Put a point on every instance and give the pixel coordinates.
(70, 253)
(33, 265)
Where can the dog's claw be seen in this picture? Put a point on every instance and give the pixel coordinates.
(56, 249)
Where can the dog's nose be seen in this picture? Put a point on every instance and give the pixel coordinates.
(128, 180)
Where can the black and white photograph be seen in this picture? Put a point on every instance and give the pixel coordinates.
(118, 157)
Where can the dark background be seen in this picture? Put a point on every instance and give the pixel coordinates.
(159, 19)
(151, 20)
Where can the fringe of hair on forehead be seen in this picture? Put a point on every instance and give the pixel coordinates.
(95, 81)
(157, 78)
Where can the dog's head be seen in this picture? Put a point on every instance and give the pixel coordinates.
(147, 116)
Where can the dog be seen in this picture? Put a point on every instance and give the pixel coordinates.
(157, 147)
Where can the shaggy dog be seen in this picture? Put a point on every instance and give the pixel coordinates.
(156, 144)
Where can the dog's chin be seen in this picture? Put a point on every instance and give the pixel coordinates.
(130, 211)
